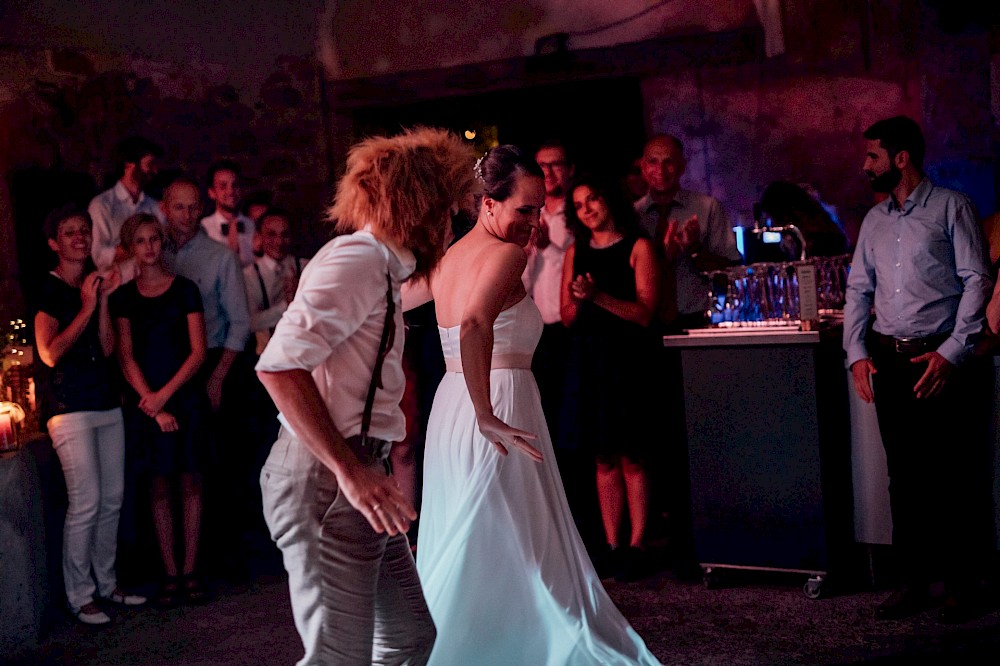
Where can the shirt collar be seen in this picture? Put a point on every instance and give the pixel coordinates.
(217, 219)
(405, 263)
(122, 194)
(918, 197)
(267, 262)
(171, 245)
(560, 210)
(646, 203)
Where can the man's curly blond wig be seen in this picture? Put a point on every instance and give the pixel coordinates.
(404, 187)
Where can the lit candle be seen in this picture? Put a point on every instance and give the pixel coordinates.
(7, 441)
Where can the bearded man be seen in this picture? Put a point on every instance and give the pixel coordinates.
(921, 262)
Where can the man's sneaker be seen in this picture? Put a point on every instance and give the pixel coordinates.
(122, 599)
(91, 614)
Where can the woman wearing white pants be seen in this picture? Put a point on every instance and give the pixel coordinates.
(81, 410)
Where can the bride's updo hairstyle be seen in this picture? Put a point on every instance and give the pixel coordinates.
(499, 169)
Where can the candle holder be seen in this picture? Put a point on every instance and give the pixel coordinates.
(17, 374)
(11, 416)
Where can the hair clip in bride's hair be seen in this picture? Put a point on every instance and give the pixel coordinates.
(479, 168)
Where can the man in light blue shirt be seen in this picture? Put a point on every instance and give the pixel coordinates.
(216, 270)
(231, 518)
(921, 263)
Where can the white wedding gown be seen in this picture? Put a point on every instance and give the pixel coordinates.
(505, 573)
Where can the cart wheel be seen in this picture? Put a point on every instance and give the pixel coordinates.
(712, 578)
(813, 587)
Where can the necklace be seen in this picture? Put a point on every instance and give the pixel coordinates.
(600, 246)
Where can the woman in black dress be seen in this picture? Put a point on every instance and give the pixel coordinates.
(609, 295)
(161, 334)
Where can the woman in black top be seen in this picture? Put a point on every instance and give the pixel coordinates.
(161, 335)
(609, 295)
(80, 409)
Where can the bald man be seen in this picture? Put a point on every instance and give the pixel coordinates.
(226, 374)
(691, 230)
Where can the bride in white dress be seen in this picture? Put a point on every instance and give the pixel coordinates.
(504, 571)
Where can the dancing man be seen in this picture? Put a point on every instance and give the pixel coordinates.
(334, 370)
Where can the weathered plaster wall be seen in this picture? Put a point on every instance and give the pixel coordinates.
(800, 117)
(244, 37)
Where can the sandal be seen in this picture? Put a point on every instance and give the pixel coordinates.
(193, 588)
(169, 593)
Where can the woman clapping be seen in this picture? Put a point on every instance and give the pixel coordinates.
(81, 410)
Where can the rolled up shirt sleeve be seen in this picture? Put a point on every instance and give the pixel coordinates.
(336, 294)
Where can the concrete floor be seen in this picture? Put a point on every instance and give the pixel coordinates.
(753, 618)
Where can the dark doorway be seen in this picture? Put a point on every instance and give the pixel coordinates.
(601, 121)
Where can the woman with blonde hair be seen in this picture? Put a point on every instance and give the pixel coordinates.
(161, 346)
(334, 370)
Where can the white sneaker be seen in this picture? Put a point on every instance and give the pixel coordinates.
(122, 599)
(91, 614)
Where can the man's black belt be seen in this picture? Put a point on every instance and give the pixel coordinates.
(369, 450)
(911, 346)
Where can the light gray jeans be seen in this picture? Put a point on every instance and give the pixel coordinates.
(91, 450)
(356, 596)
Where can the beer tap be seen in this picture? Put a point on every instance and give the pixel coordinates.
(760, 230)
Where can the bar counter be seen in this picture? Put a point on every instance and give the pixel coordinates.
(786, 463)
(769, 449)
(741, 337)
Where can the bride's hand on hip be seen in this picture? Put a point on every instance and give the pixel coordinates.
(505, 437)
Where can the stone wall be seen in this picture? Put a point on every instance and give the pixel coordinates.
(62, 111)
(747, 120)
(797, 116)
(800, 117)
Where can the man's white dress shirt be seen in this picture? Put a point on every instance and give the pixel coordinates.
(333, 328)
(542, 276)
(108, 212)
(216, 226)
(264, 280)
